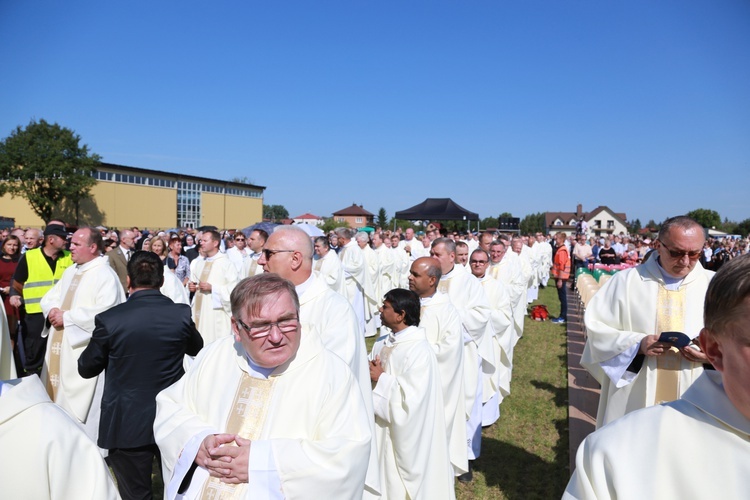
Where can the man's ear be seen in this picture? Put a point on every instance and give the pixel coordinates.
(712, 349)
(235, 330)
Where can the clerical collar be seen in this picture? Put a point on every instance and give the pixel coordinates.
(255, 370)
(210, 259)
(423, 301)
(89, 264)
(302, 287)
(670, 281)
(405, 330)
(446, 275)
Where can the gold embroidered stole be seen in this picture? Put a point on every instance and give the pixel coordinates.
(53, 369)
(247, 418)
(444, 285)
(199, 294)
(319, 264)
(253, 267)
(670, 317)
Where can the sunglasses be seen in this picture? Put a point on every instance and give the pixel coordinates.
(678, 254)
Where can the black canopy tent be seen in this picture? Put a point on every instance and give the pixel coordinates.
(437, 209)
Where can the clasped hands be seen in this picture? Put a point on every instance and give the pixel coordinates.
(203, 286)
(650, 346)
(225, 456)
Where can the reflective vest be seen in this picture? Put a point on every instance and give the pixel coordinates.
(41, 279)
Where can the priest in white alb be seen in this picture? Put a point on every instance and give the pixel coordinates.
(407, 397)
(327, 266)
(699, 445)
(287, 422)
(87, 288)
(212, 278)
(626, 317)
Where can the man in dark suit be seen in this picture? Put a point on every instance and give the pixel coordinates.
(119, 257)
(141, 358)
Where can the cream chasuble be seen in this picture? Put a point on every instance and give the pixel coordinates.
(626, 309)
(212, 310)
(501, 340)
(315, 436)
(329, 269)
(442, 326)
(695, 447)
(94, 288)
(408, 401)
(45, 453)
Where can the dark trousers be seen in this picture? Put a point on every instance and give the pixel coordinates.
(132, 468)
(34, 345)
(562, 294)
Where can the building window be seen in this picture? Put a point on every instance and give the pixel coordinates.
(610, 224)
(558, 222)
(597, 223)
(188, 204)
(358, 220)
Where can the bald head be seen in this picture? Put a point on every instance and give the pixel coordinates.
(424, 276)
(290, 252)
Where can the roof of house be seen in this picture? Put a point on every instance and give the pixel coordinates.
(550, 217)
(354, 210)
(307, 215)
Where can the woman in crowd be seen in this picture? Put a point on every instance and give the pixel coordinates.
(159, 247)
(146, 246)
(188, 243)
(176, 262)
(11, 252)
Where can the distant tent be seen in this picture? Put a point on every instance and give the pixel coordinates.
(437, 209)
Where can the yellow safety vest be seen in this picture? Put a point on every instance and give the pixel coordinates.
(41, 279)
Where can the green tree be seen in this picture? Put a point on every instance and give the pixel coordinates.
(705, 217)
(382, 219)
(489, 222)
(634, 226)
(743, 228)
(47, 165)
(532, 223)
(275, 212)
(242, 180)
(330, 224)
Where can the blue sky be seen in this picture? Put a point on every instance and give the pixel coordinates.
(504, 106)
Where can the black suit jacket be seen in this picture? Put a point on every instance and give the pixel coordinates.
(141, 344)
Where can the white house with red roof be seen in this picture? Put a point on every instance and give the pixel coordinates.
(308, 218)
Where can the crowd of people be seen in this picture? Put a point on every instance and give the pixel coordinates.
(278, 322)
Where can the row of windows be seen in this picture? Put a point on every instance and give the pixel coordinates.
(190, 186)
(133, 179)
(597, 223)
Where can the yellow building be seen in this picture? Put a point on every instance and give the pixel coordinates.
(130, 196)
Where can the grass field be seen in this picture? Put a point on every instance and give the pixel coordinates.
(525, 453)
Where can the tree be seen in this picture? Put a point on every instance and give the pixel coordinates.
(241, 180)
(47, 165)
(382, 219)
(331, 223)
(275, 212)
(743, 228)
(532, 223)
(489, 222)
(705, 217)
(634, 226)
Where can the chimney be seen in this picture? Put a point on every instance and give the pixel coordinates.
(579, 209)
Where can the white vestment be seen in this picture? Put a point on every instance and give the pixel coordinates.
(388, 279)
(416, 249)
(695, 447)
(212, 311)
(314, 435)
(509, 271)
(496, 384)
(240, 260)
(617, 318)
(468, 297)
(372, 271)
(45, 453)
(99, 289)
(402, 263)
(174, 289)
(7, 364)
(329, 269)
(358, 286)
(410, 427)
(544, 252)
(328, 314)
(442, 326)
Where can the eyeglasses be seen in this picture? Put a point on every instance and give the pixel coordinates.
(678, 254)
(285, 326)
(270, 253)
(478, 261)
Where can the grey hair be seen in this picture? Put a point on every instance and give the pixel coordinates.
(362, 237)
(344, 232)
(448, 243)
(681, 221)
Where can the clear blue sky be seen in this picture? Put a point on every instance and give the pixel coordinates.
(504, 106)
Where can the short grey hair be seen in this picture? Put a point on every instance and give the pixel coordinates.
(362, 237)
(448, 243)
(681, 221)
(344, 232)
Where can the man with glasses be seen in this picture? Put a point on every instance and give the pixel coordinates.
(267, 413)
(627, 316)
(120, 256)
(239, 254)
(212, 279)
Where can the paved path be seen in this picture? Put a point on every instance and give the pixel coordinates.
(583, 389)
